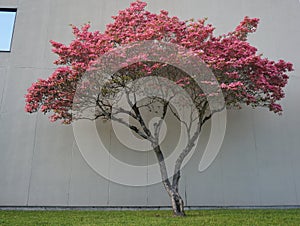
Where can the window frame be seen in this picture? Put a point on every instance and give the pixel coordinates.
(14, 10)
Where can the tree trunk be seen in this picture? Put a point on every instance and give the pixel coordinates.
(177, 204)
(176, 200)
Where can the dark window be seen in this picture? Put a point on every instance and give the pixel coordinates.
(7, 22)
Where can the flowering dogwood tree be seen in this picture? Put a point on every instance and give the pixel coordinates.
(243, 75)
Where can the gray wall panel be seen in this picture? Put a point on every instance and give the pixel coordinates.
(87, 188)
(275, 173)
(30, 33)
(16, 147)
(239, 160)
(205, 188)
(3, 75)
(51, 166)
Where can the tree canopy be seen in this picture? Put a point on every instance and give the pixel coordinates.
(244, 75)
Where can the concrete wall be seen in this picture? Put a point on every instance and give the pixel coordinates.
(40, 164)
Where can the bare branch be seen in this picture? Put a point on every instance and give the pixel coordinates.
(139, 116)
(133, 128)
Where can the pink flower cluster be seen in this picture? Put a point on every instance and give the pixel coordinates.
(245, 76)
(232, 86)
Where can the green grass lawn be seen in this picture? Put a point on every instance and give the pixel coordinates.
(149, 217)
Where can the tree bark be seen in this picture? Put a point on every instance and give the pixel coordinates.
(177, 204)
(172, 190)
